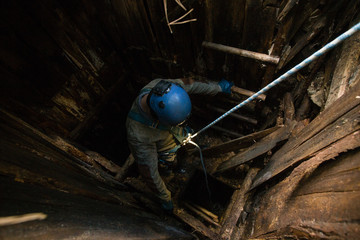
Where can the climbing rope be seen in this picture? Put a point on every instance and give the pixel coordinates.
(203, 165)
(295, 69)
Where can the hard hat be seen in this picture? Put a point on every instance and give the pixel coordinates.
(170, 103)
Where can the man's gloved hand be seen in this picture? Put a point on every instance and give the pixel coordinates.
(181, 133)
(225, 86)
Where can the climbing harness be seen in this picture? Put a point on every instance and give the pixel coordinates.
(295, 69)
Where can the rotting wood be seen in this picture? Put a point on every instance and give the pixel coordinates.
(236, 205)
(234, 115)
(289, 5)
(335, 131)
(207, 212)
(120, 176)
(246, 92)
(301, 43)
(287, 30)
(289, 109)
(241, 52)
(201, 214)
(259, 148)
(315, 136)
(86, 166)
(278, 45)
(104, 162)
(88, 156)
(304, 109)
(268, 142)
(283, 192)
(238, 143)
(325, 36)
(195, 223)
(345, 70)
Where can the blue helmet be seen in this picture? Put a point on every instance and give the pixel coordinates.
(170, 103)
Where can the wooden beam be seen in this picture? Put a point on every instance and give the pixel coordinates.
(234, 115)
(259, 148)
(241, 52)
(79, 158)
(195, 223)
(332, 133)
(268, 142)
(88, 156)
(238, 143)
(236, 205)
(245, 92)
(201, 214)
(289, 5)
(124, 168)
(207, 212)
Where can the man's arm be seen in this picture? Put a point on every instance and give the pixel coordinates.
(193, 87)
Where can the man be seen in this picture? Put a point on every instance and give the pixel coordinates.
(154, 129)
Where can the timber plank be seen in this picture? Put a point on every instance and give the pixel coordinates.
(276, 201)
(335, 131)
(341, 182)
(332, 206)
(261, 147)
(238, 143)
(195, 223)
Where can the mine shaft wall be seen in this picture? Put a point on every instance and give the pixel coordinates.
(47, 193)
(65, 65)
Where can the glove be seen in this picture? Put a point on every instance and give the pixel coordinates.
(225, 86)
(181, 133)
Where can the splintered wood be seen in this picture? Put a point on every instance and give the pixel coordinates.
(236, 206)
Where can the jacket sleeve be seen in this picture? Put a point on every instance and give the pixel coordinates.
(211, 88)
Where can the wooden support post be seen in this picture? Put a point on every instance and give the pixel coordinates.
(241, 52)
(245, 92)
(236, 205)
(234, 115)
